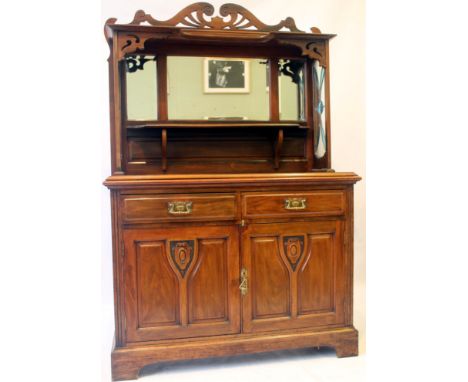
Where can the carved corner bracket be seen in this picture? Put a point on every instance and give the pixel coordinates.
(129, 43)
(200, 15)
(311, 49)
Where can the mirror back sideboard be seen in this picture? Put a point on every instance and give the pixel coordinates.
(231, 232)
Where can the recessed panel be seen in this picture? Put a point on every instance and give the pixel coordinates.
(270, 279)
(158, 289)
(316, 276)
(207, 287)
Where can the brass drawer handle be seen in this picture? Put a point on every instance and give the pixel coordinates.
(244, 283)
(179, 208)
(295, 204)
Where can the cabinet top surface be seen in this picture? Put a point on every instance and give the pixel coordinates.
(223, 180)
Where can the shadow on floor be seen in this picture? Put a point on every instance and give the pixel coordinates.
(247, 359)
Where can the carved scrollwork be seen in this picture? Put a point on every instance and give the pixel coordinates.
(130, 43)
(311, 49)
(234, 17)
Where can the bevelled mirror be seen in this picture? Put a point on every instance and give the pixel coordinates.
(141, 87)
(291, 89)
(210, 88)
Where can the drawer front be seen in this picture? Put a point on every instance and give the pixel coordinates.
(178, 207)
(300, 204)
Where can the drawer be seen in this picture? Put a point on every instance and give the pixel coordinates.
(303, 204)
(178, 207)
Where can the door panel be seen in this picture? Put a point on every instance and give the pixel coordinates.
(270, 287)
(315, 277)
(158, 287)
(295, 272)
(181, 282)
(207, 285)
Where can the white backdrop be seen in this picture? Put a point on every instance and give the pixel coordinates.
(51, 192)
(344, 18)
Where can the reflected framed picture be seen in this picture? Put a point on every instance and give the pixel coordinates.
(226, 75)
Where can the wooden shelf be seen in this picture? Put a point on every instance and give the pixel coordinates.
(212, 124)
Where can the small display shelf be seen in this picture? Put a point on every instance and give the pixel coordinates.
(212, 124)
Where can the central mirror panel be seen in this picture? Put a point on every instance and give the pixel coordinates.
(217, 89)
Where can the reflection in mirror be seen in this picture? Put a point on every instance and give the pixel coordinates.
(141, 87)
(320, 138)
(201, 88)
(291, 90)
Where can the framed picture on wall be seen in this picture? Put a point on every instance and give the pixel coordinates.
(226, 75)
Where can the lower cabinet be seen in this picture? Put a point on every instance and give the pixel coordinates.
(295, 275)
(181, 282)
(203, 274)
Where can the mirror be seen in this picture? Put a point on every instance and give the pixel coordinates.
(291, 90)
(141, 88)
(205, 88)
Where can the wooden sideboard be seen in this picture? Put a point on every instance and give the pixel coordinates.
(229, 236)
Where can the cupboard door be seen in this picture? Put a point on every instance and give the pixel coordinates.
(181, 282)
(296, 275)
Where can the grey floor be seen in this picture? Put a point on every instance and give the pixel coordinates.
(295, 365)
(301, 365)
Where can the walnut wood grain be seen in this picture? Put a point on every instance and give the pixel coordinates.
(147, 208)
(284, 297)
(161, 302)
(255, 205)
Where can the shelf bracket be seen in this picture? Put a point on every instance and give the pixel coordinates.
(278, 146)
(164, 149)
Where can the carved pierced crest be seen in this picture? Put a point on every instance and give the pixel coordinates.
(182, 254)
(233, 17)
(293, 249)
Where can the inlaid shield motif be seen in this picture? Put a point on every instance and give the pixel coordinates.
(293, 249)
(182, 254)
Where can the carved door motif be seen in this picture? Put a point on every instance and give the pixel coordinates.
(181, 282)
(293, 248)
(297, 275)
(182, 254)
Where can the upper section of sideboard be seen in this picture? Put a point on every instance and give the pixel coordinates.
(201, 93)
